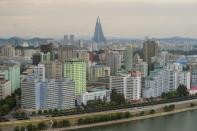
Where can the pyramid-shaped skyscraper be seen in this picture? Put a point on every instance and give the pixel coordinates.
(98, 34)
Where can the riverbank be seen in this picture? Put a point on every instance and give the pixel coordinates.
(125, 120)
(159, 111)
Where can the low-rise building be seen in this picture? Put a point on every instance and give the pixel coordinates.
(87, 96)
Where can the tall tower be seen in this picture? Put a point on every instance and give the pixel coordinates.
(98, 34)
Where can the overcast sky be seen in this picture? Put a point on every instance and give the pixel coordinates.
(125, 18)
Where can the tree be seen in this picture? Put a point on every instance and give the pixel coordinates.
(40, 112)
(16, 128)
(142, 113)
(152, 111)
(33, 113)
(7, 104)
(30, 127)
(34, 128)
(42, 126)
(117, 98)
(45, 111)
(182, 91)
(18, 92)
(22, 128)
(165, 108)
(127, 114)
(4, 109)
(171, 107)
(50, 111)
(55, 111)
(80, 121)
(66, 123)
(55, 124)
(191, 104)
(23, 114)
(169, 95)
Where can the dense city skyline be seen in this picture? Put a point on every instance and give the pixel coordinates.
(122, 18)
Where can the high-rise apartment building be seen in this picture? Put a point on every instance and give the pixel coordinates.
(45, 48)
(11, 73)
(54, 70)
(39, 72)
(75, 69)
(66, 52)
(113, 60)
(47, 52)
(8, 50)
(65, 42)
(5, 89)
(127, 84)
(128, 58)
(142, 67)
(98, 71)
(40, 93)
(150, 49)
(36, 58)
(165, 80)
(69, 40)
(185, 79)
(60, 94)
(45, 57)
(72, 38)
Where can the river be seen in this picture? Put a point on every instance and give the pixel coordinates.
(185, 121)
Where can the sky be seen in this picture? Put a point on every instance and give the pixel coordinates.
(120, 18)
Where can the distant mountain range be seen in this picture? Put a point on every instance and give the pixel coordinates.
(35, 41)
(177, 40)
(17, 41)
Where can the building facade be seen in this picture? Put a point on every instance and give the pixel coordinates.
(66, 52)
(87, 96)
(8, 50)
(41, 93)
(129, 85)
(98, 71)
(75, 69)
(150, 49)
(166, 80)
(128, 58)
(5, 89)
(54, 70)
(11, 73)
(113, 60)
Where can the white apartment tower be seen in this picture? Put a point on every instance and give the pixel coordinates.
(129, 85)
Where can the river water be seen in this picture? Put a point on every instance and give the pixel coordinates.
(185, 121)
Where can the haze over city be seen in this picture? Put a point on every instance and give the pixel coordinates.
(122, 18)
(98, 65)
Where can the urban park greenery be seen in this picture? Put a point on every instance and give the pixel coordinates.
(181, 91)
